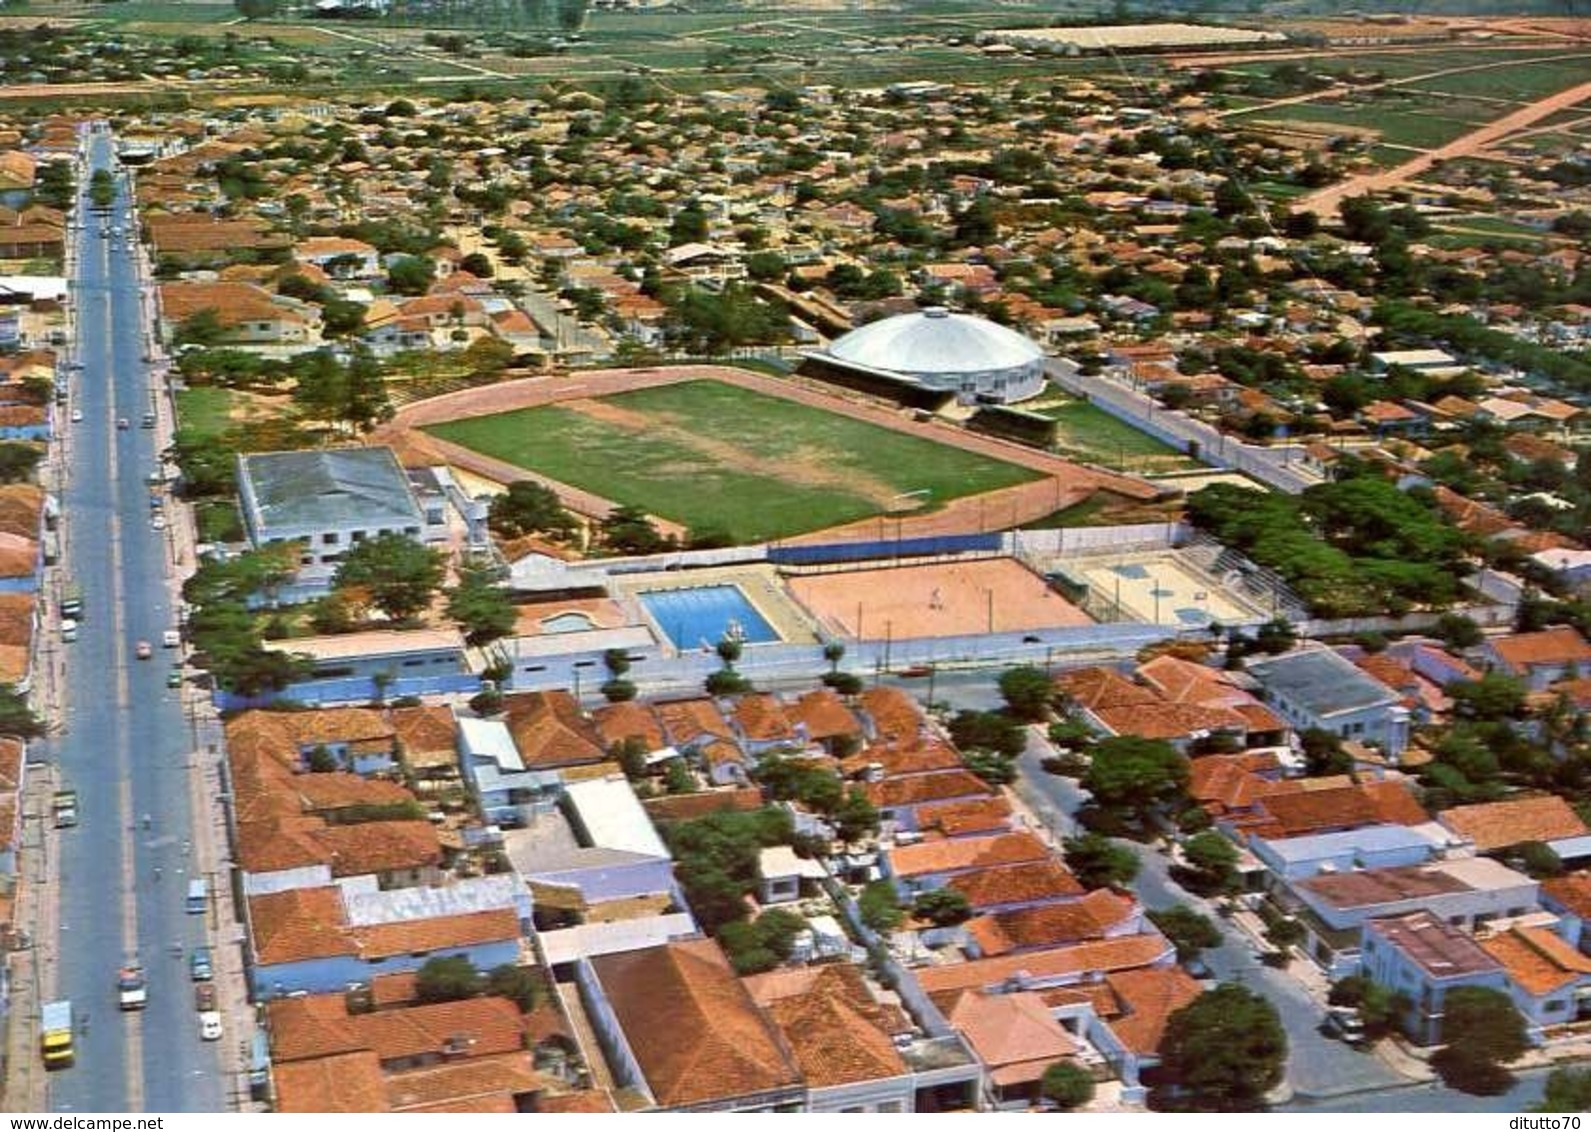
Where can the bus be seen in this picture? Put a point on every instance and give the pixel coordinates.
(55, 1034)
(72, 601)
(198, 894)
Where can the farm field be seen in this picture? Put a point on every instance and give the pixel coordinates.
(709, 455)
(1420, 124)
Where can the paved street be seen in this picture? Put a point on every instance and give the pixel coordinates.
(1277, 466)
(125, 745)
(1528, 1091)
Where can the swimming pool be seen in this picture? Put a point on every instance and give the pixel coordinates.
(704, 615)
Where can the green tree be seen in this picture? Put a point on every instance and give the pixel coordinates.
(627, 530)
(879, 907)
(1223, 1052)
(1067, 1085)
(400, 574)
(1275, 636)
(1457, 631)
(1494, 696)
(481, 607)
(257, 9)
(1482, 1031)
(447, 978)
(1027, 692)
(1568, 1090)
(1191, 932)
(341, 318)
(411, 274)
(1323, 753)
(201, 328)
(528, 507)
(1136, 776)
(520, 985)
(1211, 863)
(477, 265)
(943, 907)
(17, 461)
(16, 717)
(1098, 862)
(987, 731)
(855, 817)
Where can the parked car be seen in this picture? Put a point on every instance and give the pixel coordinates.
(210, 1025)
(77, 415)
(123, 424)
(203, 997)
(174, 677)
(199, 965)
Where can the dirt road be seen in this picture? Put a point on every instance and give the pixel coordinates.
(1327, 201)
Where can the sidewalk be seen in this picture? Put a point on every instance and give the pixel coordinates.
(30, 968)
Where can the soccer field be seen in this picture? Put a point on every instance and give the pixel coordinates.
(712, 456)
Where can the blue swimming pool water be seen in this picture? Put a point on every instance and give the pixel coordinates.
(701, 615)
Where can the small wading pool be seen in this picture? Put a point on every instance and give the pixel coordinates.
(701, 616)
(571, 622)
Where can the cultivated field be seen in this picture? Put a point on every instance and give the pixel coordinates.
(708, 455)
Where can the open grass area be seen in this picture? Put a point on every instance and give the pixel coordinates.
(205, 409)
(1092, 435)
(1422, 123)
(710, 455)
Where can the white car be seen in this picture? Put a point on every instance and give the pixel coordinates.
(77, 415)
(210, 1025)
(158, 522)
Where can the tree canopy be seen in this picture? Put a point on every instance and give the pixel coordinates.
(399, 574)
(1223, 1052)
(1135, 775)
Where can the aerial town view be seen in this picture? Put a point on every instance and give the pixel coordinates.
(804, 556)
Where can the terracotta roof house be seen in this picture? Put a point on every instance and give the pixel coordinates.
(1005, 887)
(898, 799)
(1498, 825)
(843, 1039)
(550, 731)
(676, 1024)
(1550, 980)
(629, 719)
(967, 818)
(1308, 812)
(247, 313)
(824, 719)
(763, 724)
(1148, 997)
(1015, 1036)
(1542, 658)
(926, 866)
(692, 723)
(427, 739)
(1100, 914)
(892, 713)
(1068, 965)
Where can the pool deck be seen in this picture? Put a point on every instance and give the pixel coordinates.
(758, 583)
(602, 612)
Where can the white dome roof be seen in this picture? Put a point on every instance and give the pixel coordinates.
(935, 341)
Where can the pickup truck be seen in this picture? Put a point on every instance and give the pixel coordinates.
(65, 807)
(132, 992)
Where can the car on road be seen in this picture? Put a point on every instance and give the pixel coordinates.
(148, 421)
(203, 997)
(158, 522)
(199, 965)
(77, 416)
(171, 639)
(174, 677)
(210, 1025)
(123, 424)
(143, 650)
(1344, 1022)
(132, 992)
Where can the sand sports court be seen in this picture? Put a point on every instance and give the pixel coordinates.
(990, 595)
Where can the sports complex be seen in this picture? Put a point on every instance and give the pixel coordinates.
(852, 522)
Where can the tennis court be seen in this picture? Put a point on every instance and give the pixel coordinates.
(1160, 589)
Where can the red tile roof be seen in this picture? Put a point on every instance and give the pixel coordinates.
(966, 853)
(549, 730)
(1016, 884)
(1125, 953)
(840, 1034)
(1149, 997)
(1049, 925)
(1560, 645)
(691, 1025)
(1497, 825)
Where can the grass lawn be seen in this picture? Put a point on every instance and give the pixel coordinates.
(710, 455)
(1089, 433)
(205, 409)
(218, 521)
